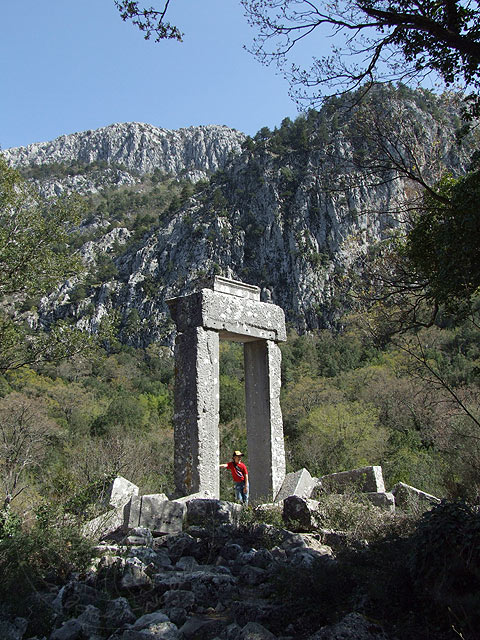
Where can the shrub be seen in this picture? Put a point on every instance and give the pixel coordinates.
(445, 564)
(45, 552)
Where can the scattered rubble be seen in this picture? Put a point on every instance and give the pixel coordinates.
(188, 569)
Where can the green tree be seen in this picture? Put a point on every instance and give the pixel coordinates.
(34, 257)
(34, 249)
(443, 246)
(341, 436)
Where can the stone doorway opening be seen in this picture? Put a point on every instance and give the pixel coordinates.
(232, 418)
(230, 310)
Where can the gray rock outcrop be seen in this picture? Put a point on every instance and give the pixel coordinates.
(140, 147)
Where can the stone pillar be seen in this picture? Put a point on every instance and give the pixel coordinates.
(196, 412)
(266, 452)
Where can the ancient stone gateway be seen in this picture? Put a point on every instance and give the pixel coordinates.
(229, 310)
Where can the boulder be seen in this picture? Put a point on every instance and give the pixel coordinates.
(119, 493)
(301, 513)
(352, 627)
(210, 587)
(186, 563)
(179, 598)
(14, 629)
(89, 620)
(157, 513)
(178, 545)
(134, 576)
(149, 620)
(252, 576)
(70, 630)
(76, 596)
(307, 558)
(206, 512)
(158, 631)
(255, 631)
(106, 524)
(117, 614)
(407, 496)
(382, 500)
(202, 628)
(363, 480)
(230, 551)
(300, 483)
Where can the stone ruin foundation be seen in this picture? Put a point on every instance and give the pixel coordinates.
(230, 310)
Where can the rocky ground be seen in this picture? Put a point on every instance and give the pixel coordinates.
(213, 580)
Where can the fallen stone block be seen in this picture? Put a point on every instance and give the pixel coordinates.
(13, 630)
(119, 492)
(301, 513)
(383, 500)
(201, 495)
(352, 627)
(106, 524)
(255, 631)
(206, 512)
(407, 496)
(300, 483)
(363, 480)
(157, 513)
(134, 576)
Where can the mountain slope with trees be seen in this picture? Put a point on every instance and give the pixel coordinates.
(291, 214)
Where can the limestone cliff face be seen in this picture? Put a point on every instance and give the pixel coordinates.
(290, 214)
(136, 147)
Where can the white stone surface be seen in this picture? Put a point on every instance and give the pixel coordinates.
(120, 491)
(298, 483)
(156, 513)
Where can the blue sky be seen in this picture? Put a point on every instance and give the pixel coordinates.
(72, 65)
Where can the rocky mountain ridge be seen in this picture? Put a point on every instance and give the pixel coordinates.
(136, 147)
(290, 211)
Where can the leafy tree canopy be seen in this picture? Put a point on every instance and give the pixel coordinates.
(34, 254)
(34, 257)
(444, 243)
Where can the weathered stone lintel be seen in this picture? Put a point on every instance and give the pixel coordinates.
(157, 513)
(224, 312)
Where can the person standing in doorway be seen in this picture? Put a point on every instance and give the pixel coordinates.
(240, 476)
